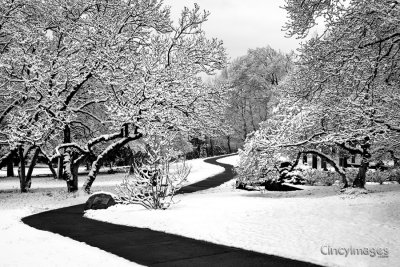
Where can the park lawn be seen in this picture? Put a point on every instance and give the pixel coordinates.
(295, 224)
(21, 245)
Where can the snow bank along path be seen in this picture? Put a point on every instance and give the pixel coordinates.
(47, 193)
(149, 247)
(296, 224)
(199, 170)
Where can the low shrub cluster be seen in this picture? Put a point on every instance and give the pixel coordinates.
(320, 177)
(379, 176)
(394, 175)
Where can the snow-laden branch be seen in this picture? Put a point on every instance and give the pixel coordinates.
(304, 142)
(75, 90)
(14, 104)
(68, 145)
(103, 138)
(96, 101)
(352, 150)
(100, 158)
(88, 148)
(388, 125)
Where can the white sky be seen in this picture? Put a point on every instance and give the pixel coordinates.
(242, 24)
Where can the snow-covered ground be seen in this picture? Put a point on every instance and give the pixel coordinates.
(302, 225)
(21, 245)
(232, 160)
(199, 170)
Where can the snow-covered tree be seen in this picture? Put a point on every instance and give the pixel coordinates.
(296, 128)
(115, 68)
(253, 79)
(351, 72)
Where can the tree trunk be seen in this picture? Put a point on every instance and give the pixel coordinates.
(243, 113)
(296, 162)
(60, 165)
(396, 160)
(9, 156)
(198, 149)
(252, 119)
(100, 158)
(10, 168)
(74, 183)
(48, 162)
(70, 171)
(67, 139)
(359, 182)
(53, 172)
(31, 166)
(21, 170)
(229, 144)
(211, 147)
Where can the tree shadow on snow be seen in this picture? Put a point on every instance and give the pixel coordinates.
(281, 188)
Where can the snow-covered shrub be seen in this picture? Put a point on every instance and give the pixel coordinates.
(289, 175)
(329, 178)
(315, 176)
(377, 176)
(152, 188)
(154, 183)
(311, 176)
(291, 130)
(351, 174)
(394, 175)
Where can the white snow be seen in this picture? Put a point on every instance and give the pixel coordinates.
(36, 171)
(294, 224)
(199, 170)
(21, 245)
(232, 160)
(290, 224)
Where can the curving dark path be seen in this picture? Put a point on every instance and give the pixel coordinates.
(213, 181)
(153, 248)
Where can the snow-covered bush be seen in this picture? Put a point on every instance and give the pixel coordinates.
(311, 176)
(154, 183)
(394, 175)
(378, 176)
(262, 152)
(351, 174)
(288, 174)
(152, 187)
(315, 176)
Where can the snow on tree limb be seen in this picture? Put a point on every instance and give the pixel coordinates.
(99, 160)
(109, 66)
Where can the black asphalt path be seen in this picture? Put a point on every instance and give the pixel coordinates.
(153, 248)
